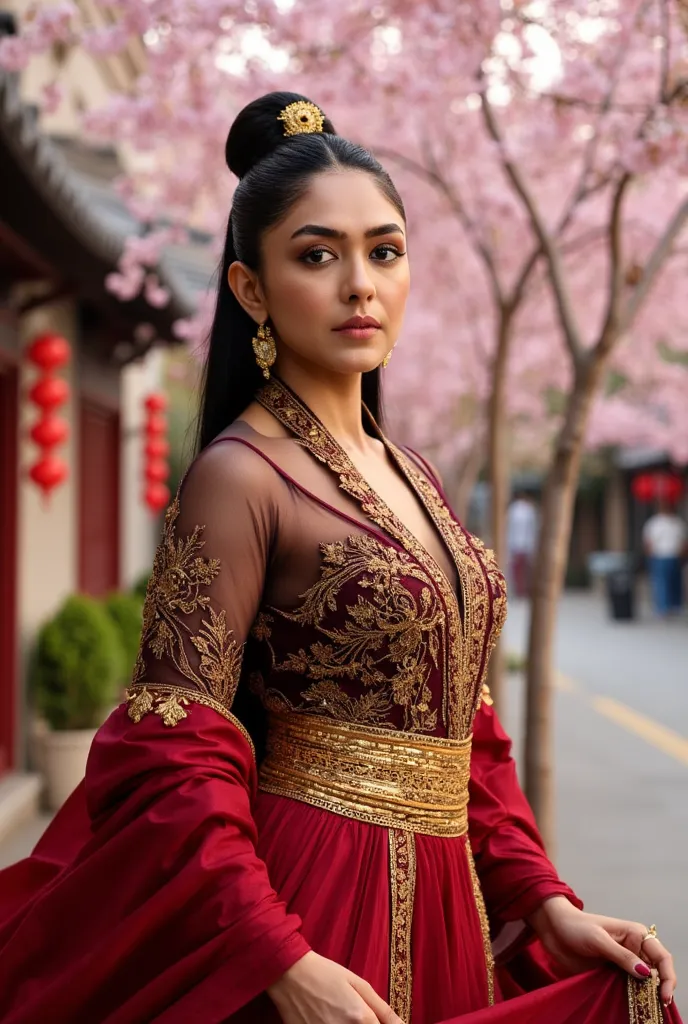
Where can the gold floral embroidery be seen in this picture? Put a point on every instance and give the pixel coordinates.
(643, 1002)
(402, 880)
(484, 924)
(390, 640)
(485, 696)
(176, 590)
(470, 637)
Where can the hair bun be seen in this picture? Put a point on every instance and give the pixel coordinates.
(257, 132)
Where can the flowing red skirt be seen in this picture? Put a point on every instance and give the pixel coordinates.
(334, 873)
(130, 912)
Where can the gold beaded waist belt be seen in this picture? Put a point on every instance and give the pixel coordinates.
(395, 779)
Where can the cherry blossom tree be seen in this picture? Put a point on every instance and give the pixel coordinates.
(542, 147)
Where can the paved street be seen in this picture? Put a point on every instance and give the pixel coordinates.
(622, 781)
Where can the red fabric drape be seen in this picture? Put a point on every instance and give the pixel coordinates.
(160, 904)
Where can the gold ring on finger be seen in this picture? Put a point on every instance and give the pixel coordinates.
(651, 933)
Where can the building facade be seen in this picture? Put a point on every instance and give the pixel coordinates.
(62, 230)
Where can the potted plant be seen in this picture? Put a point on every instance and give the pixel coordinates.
(126, 611)
(76, 670)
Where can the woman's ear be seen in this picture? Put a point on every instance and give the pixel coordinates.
(246, 287)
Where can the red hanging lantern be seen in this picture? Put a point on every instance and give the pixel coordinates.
(657, 486)
(49, 431)
(156, 402)
(49, 472)
(49, 392)
(156, 448)
(643, 487)
(157, 497)
(156, 468)
(48, 352)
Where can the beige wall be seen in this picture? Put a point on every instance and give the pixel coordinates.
(139, 529)
(47, 531)
(48, 555)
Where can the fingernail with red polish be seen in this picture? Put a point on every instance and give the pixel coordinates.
(643, 970)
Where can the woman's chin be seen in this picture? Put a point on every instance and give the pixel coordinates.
(358, 362)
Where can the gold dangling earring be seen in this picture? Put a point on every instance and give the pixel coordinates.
(265, 349)
(385, 361)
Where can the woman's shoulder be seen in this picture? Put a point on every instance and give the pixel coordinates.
(233, 464)
(423, 463)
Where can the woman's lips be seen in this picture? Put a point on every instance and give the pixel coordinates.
(359, 327)
(358, 332)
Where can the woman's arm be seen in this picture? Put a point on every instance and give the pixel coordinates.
(514, 871)
(173, 775)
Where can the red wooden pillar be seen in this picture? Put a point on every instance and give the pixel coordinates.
(99, 496)
(9, 439)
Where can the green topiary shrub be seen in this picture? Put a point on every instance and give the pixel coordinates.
(77, 665)
(126, 611)
(141, 585)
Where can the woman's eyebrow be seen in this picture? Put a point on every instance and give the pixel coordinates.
(320, 231)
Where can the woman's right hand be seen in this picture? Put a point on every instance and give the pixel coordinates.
(319, 991)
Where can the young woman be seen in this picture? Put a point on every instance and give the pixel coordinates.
(307, 811)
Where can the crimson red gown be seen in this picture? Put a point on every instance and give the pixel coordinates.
(306, 724)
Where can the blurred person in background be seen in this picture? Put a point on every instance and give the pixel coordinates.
(522, 537)
(665, 539)
(306, 811)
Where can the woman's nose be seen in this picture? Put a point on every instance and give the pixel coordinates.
(358, 285)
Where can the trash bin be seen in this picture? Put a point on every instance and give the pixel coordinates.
(616, 569)
(621, 594)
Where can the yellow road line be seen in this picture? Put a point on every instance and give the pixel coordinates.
(566, 684)
(666, 740)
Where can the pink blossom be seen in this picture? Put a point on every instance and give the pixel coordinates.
(15, 53)
(155, 294)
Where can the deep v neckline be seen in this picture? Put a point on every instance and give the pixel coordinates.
(296, 416)
(469, 628)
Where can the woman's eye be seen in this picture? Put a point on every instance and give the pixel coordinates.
(386, 253)
(316, 257)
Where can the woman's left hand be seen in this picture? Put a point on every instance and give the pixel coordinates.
(581, 941)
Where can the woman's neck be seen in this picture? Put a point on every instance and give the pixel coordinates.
(336, 401)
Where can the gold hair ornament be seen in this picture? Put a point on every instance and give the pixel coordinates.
(302, 118)
(265, 349)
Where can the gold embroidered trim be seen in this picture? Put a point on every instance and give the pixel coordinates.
(393, 779)
(177, 590)
(169, 702)
(483, 592)
(388, 644)
(484, 924)
(402, 884)
(644, 1006)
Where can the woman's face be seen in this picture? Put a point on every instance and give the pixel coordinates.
(340, 254)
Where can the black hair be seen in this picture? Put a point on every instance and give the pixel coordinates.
(274, 171)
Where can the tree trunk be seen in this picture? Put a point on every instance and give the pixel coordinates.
(466, 479)
(498, 465)
(550, 567)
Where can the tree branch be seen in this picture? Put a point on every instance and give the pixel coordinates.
(549, 249)
(433, 177)
(665, 56)
(616, 279)
(659, 254)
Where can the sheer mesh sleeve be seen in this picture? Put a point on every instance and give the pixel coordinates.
(206, 585)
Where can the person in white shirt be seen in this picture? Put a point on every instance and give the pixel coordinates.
(522, 536)
(665, 538)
